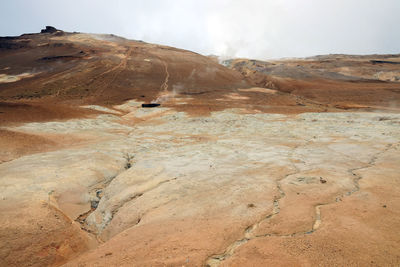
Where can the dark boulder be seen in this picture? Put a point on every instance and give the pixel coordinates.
(49, 29)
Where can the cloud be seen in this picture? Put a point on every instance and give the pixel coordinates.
(230, 28)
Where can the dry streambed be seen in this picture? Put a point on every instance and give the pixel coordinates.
(160, 187)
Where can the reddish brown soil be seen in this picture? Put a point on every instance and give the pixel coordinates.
(17, 144)
(16, 112)
(69, 70)
(357, 231)
(322, 81)
(49, 239)
(83, 69)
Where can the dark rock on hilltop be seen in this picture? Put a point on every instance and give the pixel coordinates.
(50, 29)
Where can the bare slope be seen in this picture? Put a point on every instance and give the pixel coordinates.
(76, 68)
(341, 81)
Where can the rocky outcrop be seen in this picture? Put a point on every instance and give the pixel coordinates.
(49, 29)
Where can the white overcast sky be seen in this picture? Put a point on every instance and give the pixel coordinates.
(230, 28)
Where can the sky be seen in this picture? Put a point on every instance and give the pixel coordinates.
(260, 29)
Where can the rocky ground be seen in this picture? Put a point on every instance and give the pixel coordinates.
(246, 166)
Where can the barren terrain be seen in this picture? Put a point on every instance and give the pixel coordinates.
(289, 162)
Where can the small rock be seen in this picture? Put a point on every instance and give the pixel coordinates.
(94, 204)
(322, 180)
(99, 193)
(128, 165)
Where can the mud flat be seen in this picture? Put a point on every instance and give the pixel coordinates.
(229, 189)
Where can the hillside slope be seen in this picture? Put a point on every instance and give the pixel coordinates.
(78, 69)
(341, 81)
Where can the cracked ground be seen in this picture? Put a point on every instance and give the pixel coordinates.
(227, 189)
